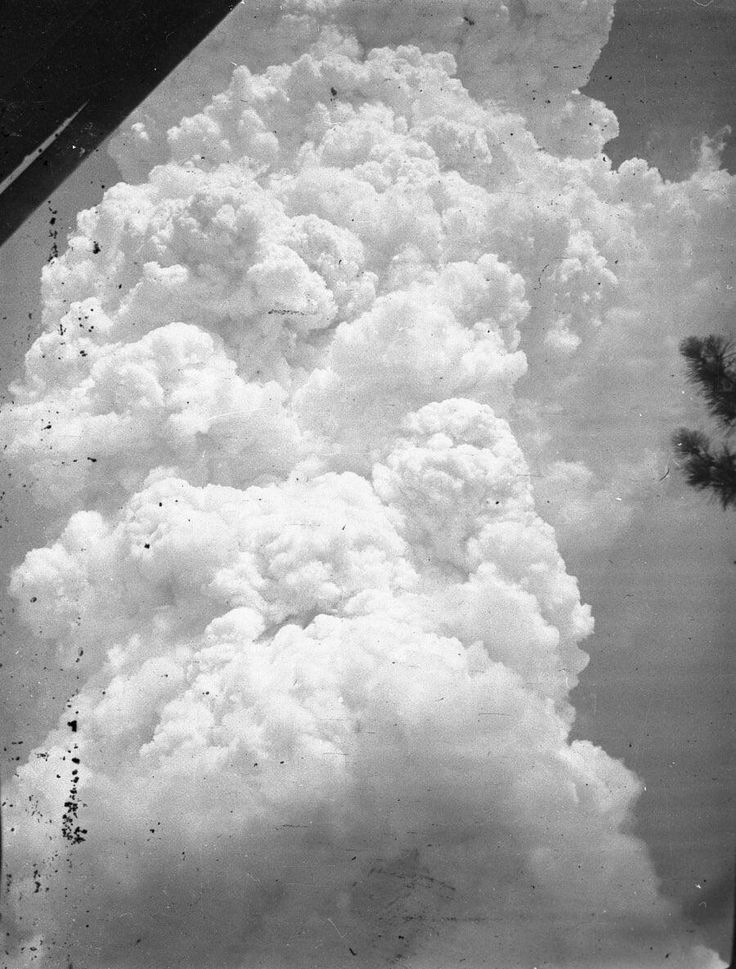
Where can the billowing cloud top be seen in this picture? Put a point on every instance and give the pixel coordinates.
(324, 638)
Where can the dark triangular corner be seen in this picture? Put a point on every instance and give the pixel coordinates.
(91, 61)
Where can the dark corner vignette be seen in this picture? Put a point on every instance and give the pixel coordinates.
(70, 72)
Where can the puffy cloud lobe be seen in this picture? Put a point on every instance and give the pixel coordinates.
(179, 555)
(350, 739)
(464, 489)
(115, 410)
(180, 247)
(408, 350)
(530, 57)
(383, 178)
(324, 639)
(356, 759)
(285, 740)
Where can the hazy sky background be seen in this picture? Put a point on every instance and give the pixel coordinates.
(663, 596)
(659, 688)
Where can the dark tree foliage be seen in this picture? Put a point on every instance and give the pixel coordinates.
(711, 367)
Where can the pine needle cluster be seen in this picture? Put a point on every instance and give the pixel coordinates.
(711, 367)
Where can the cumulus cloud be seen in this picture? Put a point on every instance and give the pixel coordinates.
(532, 56)
(298, 378)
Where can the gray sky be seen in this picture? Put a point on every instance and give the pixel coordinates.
(659, 691)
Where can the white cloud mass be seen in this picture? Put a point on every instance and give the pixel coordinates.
(278, 421)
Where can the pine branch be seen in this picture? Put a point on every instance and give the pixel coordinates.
(711, 365)
(706, 468)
